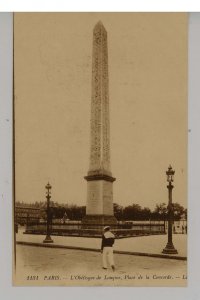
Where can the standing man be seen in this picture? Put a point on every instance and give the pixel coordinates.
(108, 240)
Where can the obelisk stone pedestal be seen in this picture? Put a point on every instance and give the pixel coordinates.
(99, 209)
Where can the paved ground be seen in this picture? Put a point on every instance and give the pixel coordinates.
(145, 244)
(75, 267)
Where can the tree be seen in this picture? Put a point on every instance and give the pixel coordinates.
(178, 210)
(118, 211)
(133, 212)
(146, 213)
(160, 211)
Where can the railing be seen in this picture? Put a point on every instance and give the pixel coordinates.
(79, 229)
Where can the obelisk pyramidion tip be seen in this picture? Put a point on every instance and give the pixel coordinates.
(99, 25)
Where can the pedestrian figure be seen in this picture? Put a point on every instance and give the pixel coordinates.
(182, 229)
(108, 240)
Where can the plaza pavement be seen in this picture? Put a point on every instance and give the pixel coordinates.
(141, 245)
(66, 264)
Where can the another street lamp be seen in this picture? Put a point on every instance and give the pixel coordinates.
(169, 249)
(48, 196)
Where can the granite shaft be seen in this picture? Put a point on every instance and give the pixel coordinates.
(99, 187)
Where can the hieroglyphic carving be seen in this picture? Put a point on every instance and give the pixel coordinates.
(100, 127)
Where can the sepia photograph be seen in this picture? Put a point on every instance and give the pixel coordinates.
(100, 104)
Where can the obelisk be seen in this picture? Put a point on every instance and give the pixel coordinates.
(99, 207)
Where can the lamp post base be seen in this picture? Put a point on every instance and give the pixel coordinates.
(48, 239)
(169, 249)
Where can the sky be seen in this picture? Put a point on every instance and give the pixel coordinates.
(147, 58)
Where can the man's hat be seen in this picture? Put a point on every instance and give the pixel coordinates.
(106, 228)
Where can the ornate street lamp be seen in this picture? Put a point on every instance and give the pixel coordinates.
(169, 249)
(48, 196)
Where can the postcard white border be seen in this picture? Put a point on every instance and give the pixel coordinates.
(7, 291)
(101, 5)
